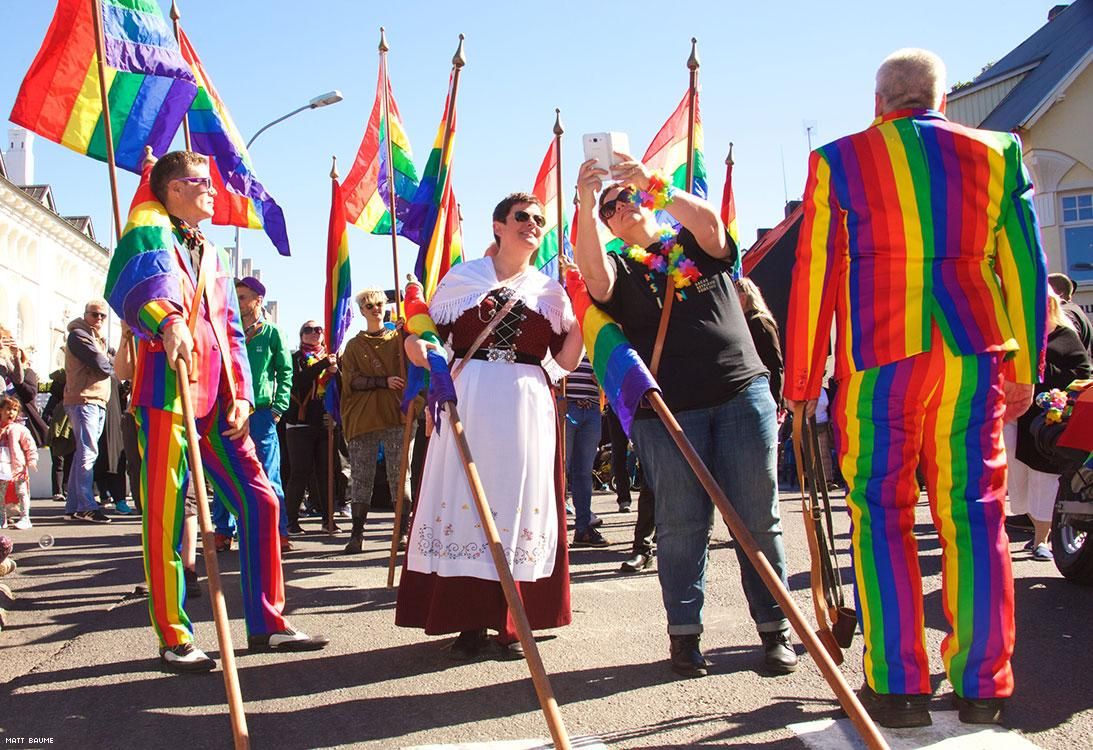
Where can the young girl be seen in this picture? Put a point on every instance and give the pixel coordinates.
(18, 457)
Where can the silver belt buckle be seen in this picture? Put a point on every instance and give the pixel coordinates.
(508, 356)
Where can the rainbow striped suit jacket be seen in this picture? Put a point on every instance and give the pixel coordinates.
(913, 222)
(151, 278)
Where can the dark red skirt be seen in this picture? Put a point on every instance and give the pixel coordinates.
(440, 605)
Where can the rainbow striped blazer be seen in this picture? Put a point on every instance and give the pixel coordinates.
(915, 222)
(152, 278)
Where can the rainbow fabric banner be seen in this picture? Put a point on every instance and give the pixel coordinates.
(728, 204)
(336, 304)
(241, 201)
(366, 187)
(621, 373)
(546, 190)
(668, 151)
(433, 220)
(149, 86)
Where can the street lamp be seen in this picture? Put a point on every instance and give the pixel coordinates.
(323, 100)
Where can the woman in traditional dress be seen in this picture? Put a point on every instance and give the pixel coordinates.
(449, 583)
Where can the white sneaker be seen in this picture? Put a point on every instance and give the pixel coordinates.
(24, 523)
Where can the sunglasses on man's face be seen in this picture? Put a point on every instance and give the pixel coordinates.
(522, 216)
(205, 183)
(373, 305)
(608, 209)
(312, 329)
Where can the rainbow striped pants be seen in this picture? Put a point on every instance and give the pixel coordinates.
(239, 482)
(944, 411)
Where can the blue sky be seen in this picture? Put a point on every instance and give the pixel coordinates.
(766, 69)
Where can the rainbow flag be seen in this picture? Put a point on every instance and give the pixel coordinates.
(621, 373)
(337, 310)
(366, 187)
(149, 85)
(433, 219)
(668, 151)
(728, 204)
(241, 201)
(546, 190)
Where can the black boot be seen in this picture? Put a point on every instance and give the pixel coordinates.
(356, 536)
(687, 659)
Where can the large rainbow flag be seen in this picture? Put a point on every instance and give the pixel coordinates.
(337, 310)
(434, 216)
(668, 151)
(546, 190)
(149, 85)
(621, 373)
(241, 201)
(366, 187)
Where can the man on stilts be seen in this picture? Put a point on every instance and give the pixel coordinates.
(920, 242)
(174, 290)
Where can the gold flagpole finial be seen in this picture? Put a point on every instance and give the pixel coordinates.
(175, 14)
(558, 130)
(728, 159)
(333, 167)
(459, 59)
(383, 40)
(692, 61)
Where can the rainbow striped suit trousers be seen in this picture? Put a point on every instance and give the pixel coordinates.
(239, 482)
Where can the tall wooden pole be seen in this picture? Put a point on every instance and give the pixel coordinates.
(176, 16)
(558, 130)
(240, 732)
(459, 59)
(100, 50)
(692, 99)
(390, 179)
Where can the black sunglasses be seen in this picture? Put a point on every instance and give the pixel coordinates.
(373, 305)
(522, 216)
(608, 209)
(311, 329)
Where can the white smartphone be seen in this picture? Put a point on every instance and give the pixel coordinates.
(602, 148)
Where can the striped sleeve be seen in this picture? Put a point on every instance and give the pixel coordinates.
(812, 294)
(1022, 268)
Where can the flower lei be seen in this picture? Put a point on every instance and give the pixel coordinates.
(657, 196)
(668, 260)
(1056, 405)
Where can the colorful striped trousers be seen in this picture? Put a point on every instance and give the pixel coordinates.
(944, 411)
(238, 481)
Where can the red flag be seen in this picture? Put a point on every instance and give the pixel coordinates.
(728, 203)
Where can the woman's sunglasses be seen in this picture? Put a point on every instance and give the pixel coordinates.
(311, 329)
(522, 216)
(608, 209)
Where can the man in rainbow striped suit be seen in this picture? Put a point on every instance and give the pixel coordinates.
(919, 239)
(175, 291)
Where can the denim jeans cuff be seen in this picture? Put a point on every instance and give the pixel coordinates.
(692, 629)
(772, 627)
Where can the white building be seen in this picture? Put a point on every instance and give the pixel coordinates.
(50, 264)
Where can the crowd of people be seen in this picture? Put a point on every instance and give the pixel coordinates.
(937, 344)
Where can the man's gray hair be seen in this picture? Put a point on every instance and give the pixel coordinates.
(911, 78)
(95, 304)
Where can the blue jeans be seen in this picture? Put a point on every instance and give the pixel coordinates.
(87, 422)
(737, 440)
(582, 440)
(263, 431)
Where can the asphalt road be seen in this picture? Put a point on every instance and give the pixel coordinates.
(79, 669)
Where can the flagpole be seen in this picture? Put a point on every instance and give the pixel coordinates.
(458, 61)
(176, 16)
(558, 130)
(100, 47)
(331, 528)
(390, 180)
(692, 97)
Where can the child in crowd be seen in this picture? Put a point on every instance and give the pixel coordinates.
(18, 457)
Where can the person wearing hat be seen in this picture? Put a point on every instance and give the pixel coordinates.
(271, 371)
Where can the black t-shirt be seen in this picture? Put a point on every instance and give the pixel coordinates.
(708, 353)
